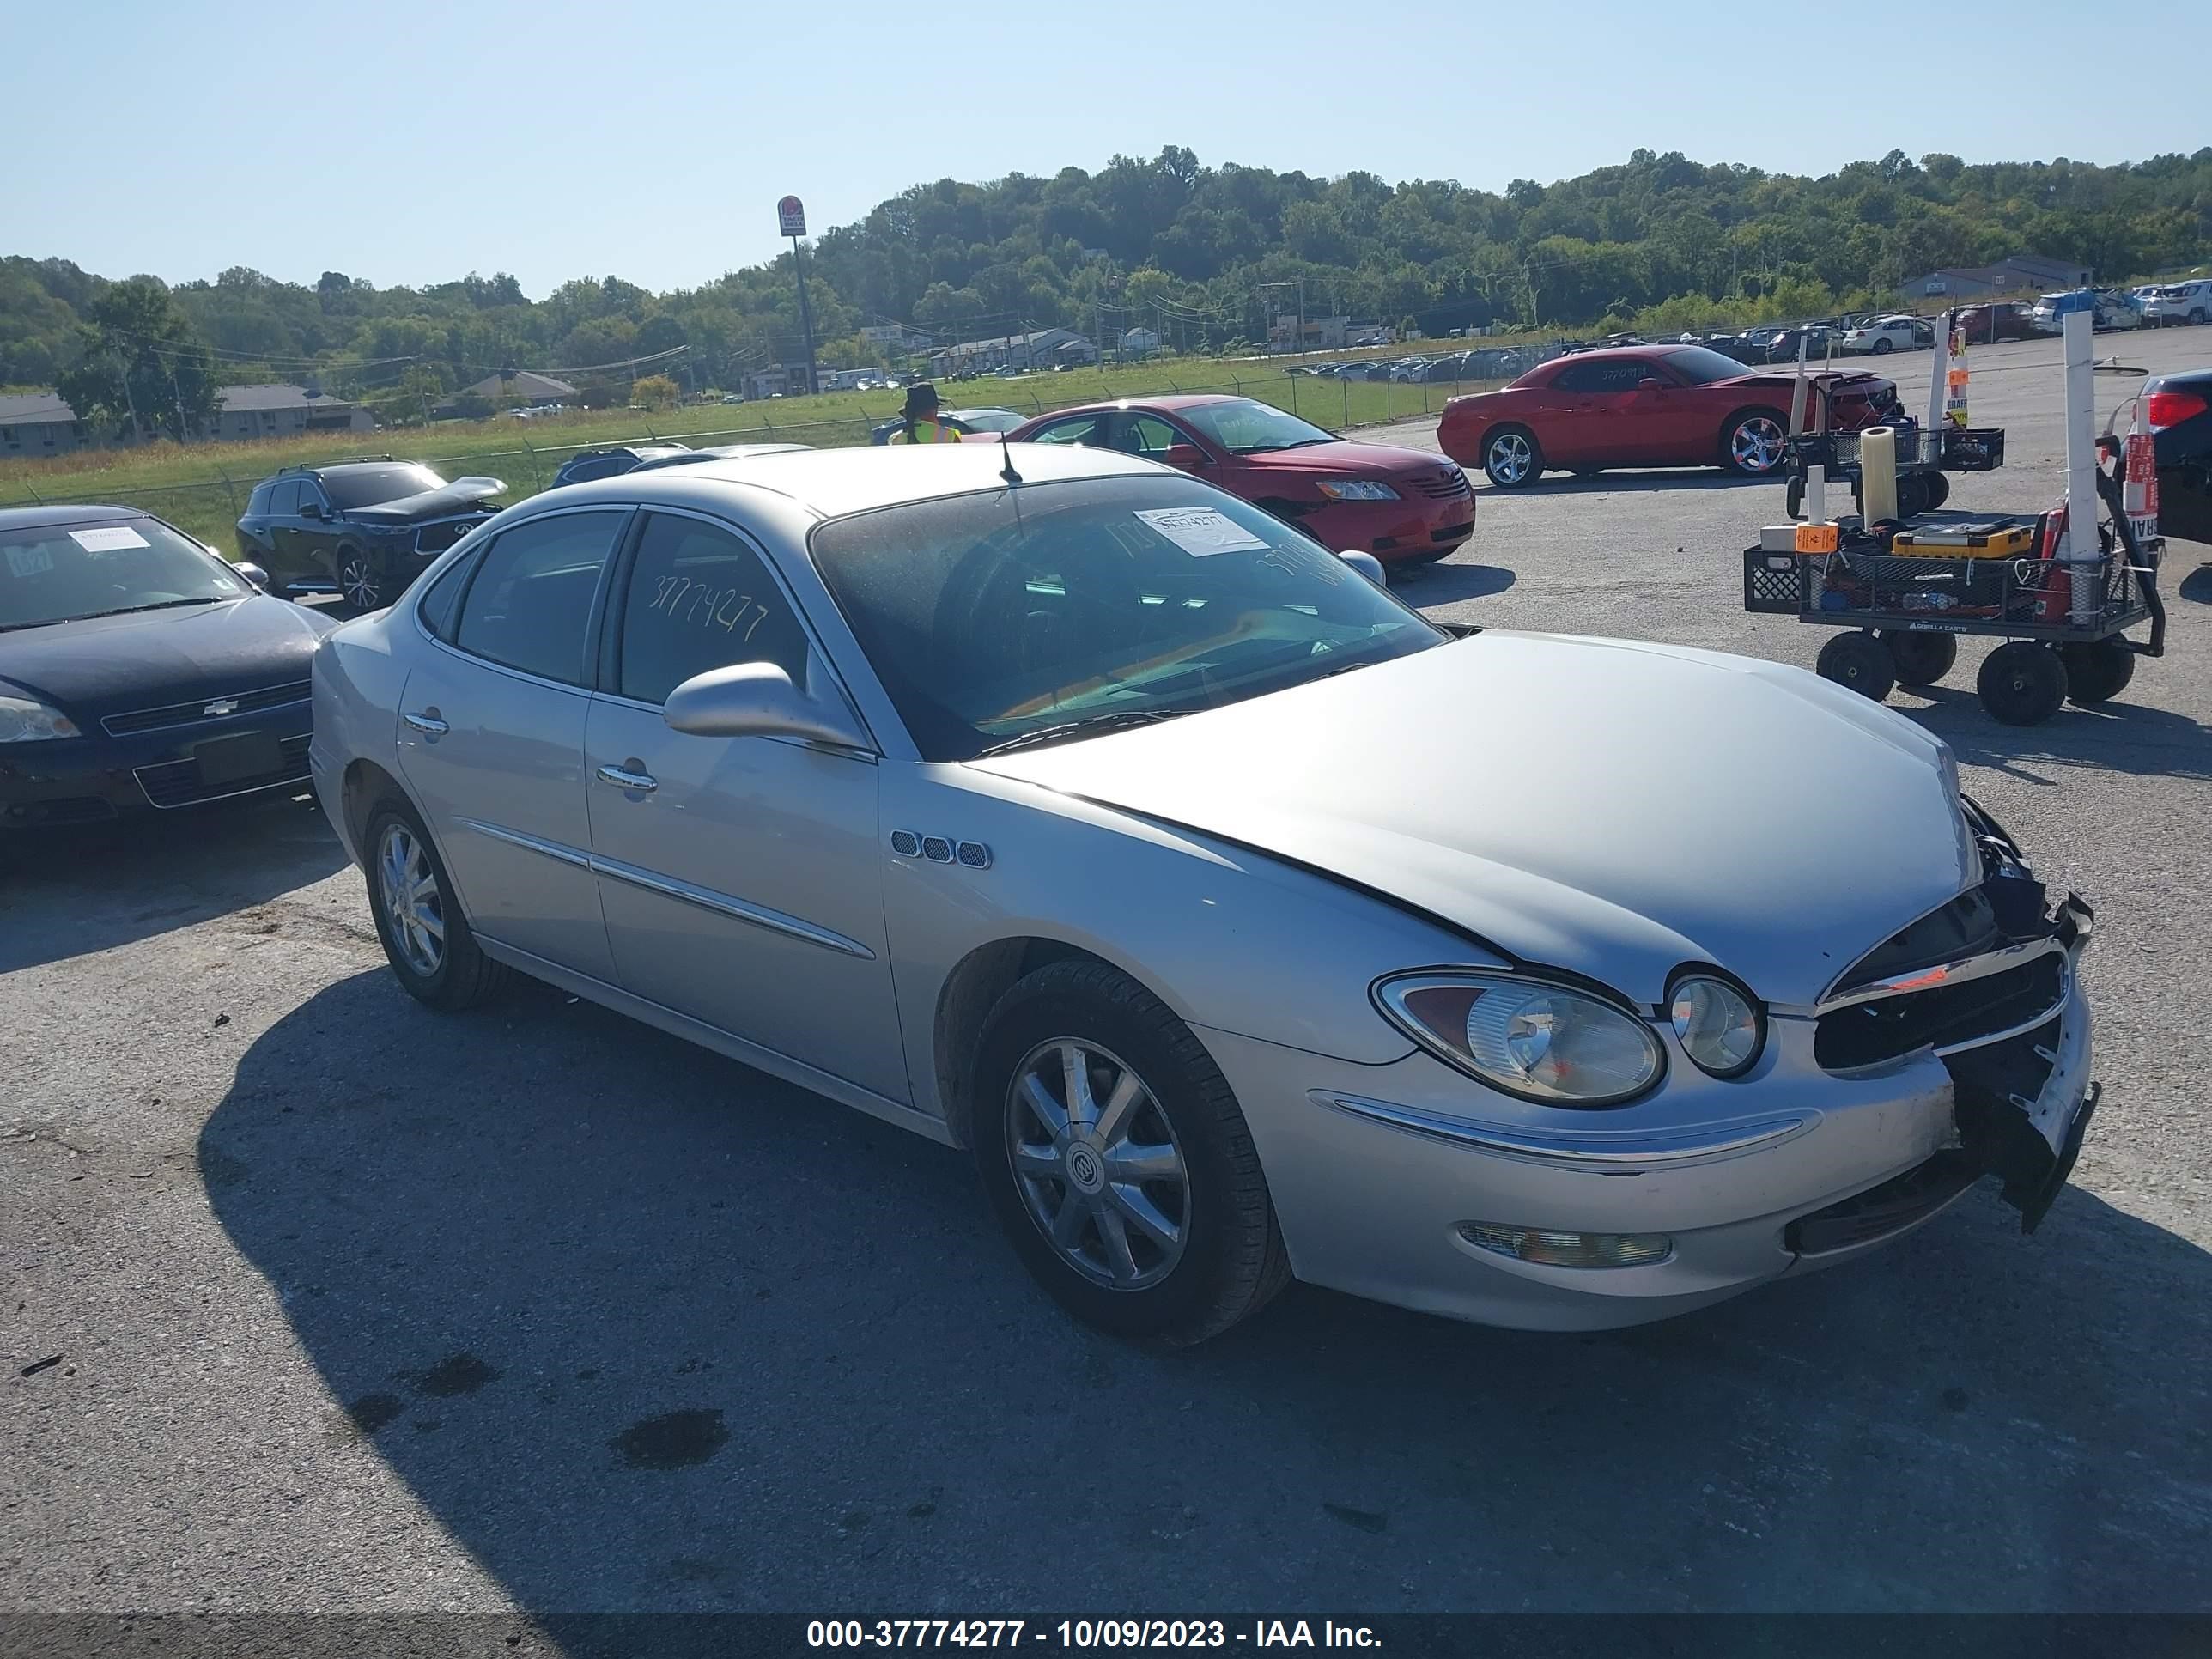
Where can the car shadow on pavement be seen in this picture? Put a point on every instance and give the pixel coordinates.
(101, 885)
(1610, 482)
(2114, 737)
(1448, 583)
(2196, 585)
(644, 1330)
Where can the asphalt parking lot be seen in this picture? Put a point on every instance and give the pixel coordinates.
(358, 1307)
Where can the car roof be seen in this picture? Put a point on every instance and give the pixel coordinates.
(54, 516)
(1176, 400)
(831, 482)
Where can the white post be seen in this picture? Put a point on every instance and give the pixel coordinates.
(1816, 494)
(1797, 392)
(2081, 548)
(1940, 377)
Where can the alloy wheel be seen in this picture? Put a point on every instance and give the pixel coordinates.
(358, 583)
(1509, 457)
(1757, 444)
(409, 888)
(1097, 1164)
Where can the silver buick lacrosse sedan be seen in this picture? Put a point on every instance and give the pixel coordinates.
(1241, 923)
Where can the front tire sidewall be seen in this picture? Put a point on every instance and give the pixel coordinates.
(1727, 443)
(2023, 683)
(1209, 1286)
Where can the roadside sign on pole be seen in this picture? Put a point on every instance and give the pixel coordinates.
(791, 217)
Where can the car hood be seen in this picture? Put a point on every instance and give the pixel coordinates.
(111, 665)
(458, 496)
(1346, 458)
(1611, 808)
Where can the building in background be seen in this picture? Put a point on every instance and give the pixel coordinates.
(895, 337)
(1043, 347)
(2023, 273)
(523, 388)
(38, 423)
(284, 411)
(1139, 343)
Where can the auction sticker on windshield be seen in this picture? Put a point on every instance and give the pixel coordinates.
(1201, 530)
(30, 560)
(108, 538)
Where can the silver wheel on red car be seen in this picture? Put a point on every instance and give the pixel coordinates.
(1756, 444)
(1509, 457)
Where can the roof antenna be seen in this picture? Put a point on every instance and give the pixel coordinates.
(1007, 471)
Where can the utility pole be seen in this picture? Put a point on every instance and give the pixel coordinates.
(123, 370)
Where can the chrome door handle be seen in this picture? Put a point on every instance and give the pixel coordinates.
(428, 725)
(622, 778)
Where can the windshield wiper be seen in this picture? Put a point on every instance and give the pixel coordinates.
(1089, 725)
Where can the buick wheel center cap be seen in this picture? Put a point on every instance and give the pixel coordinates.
(1085, 1168)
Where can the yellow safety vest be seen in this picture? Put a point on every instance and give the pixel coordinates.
(923, 431)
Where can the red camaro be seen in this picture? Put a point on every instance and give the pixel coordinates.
(1404, 506)
(1663, 405)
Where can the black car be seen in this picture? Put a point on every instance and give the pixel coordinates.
(2177, 409)
(139, 671)
(587, 465)
(364, 529)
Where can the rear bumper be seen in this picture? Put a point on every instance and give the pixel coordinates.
(97, 778)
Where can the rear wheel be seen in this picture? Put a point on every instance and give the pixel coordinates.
(2023, 683)
(1755, 443)
(1859, 661)
(1510, 457)
(425, 936)
(1921, 659)
(2096, 673)
(1881, 346)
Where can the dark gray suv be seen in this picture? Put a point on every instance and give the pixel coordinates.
(362, 529)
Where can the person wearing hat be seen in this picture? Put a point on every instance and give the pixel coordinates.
(922, 423)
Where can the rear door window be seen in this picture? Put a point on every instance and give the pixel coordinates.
(530, 606)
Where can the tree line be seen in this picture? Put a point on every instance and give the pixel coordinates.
(1202, 256)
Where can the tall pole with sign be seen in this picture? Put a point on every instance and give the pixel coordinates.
(790, 221)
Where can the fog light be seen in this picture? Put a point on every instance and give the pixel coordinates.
(1552, 1250)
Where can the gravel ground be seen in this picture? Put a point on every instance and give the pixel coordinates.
(354, 1307)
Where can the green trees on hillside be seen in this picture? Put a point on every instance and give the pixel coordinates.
(138, 367)
(1203, 255)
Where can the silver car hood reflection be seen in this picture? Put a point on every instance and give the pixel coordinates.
(1609, 807)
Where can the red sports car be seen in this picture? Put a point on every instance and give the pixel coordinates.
(1404, 506)
(1664, 405)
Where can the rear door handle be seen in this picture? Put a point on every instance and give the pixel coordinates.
(622, 778)
(428, 725)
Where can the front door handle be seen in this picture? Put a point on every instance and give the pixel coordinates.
(622, 778)
(427, 724)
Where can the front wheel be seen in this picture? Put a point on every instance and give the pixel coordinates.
(1880, 347)
(1117, 1160)
(2023, 683)
(2198, 318)
(1510, 458)
(363, 580)
(1754, 444)
(1859, 661)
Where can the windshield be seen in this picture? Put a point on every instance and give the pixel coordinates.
(369, 486)
(1697, 365)
(62, 573)
(1243, 427)
(990, 616)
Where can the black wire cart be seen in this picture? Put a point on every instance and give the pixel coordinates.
(1923, 458)
(2062, 618)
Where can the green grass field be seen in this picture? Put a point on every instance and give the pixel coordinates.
(201, 488)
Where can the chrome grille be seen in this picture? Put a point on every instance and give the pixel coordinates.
(1959, 1005)
(201, 709)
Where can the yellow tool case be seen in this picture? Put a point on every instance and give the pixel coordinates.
(1995, 539)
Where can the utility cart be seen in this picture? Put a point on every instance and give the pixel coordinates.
(1922, 457)
(1906, 602)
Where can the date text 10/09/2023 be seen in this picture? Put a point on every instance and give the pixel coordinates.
(1087, 1633)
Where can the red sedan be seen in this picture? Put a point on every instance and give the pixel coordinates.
(1664, 405)
(1404, 506)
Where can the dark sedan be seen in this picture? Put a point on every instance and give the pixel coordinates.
(139, 671)
(2177, 409)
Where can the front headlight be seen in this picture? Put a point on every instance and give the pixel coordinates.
(1535, 1041)
(1356, 489)
(1719, 1027)
(25, 720)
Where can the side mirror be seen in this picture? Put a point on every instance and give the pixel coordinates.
(254, 573)
(757, 700)
(1185, 456)
(1367, 565)
(1651, 383)
(311, 509)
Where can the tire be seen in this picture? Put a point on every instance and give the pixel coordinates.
(1881, 347)
(363, 581)
(2198, 317)
(449, 972)
(1921, 659)
(1936, 490)
(2096, 673)
(1755, 442)
(1861, 662)
(1510, 457)
(2023, 683)
(1226, 1258)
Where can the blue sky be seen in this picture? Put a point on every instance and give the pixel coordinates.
(405, 141)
